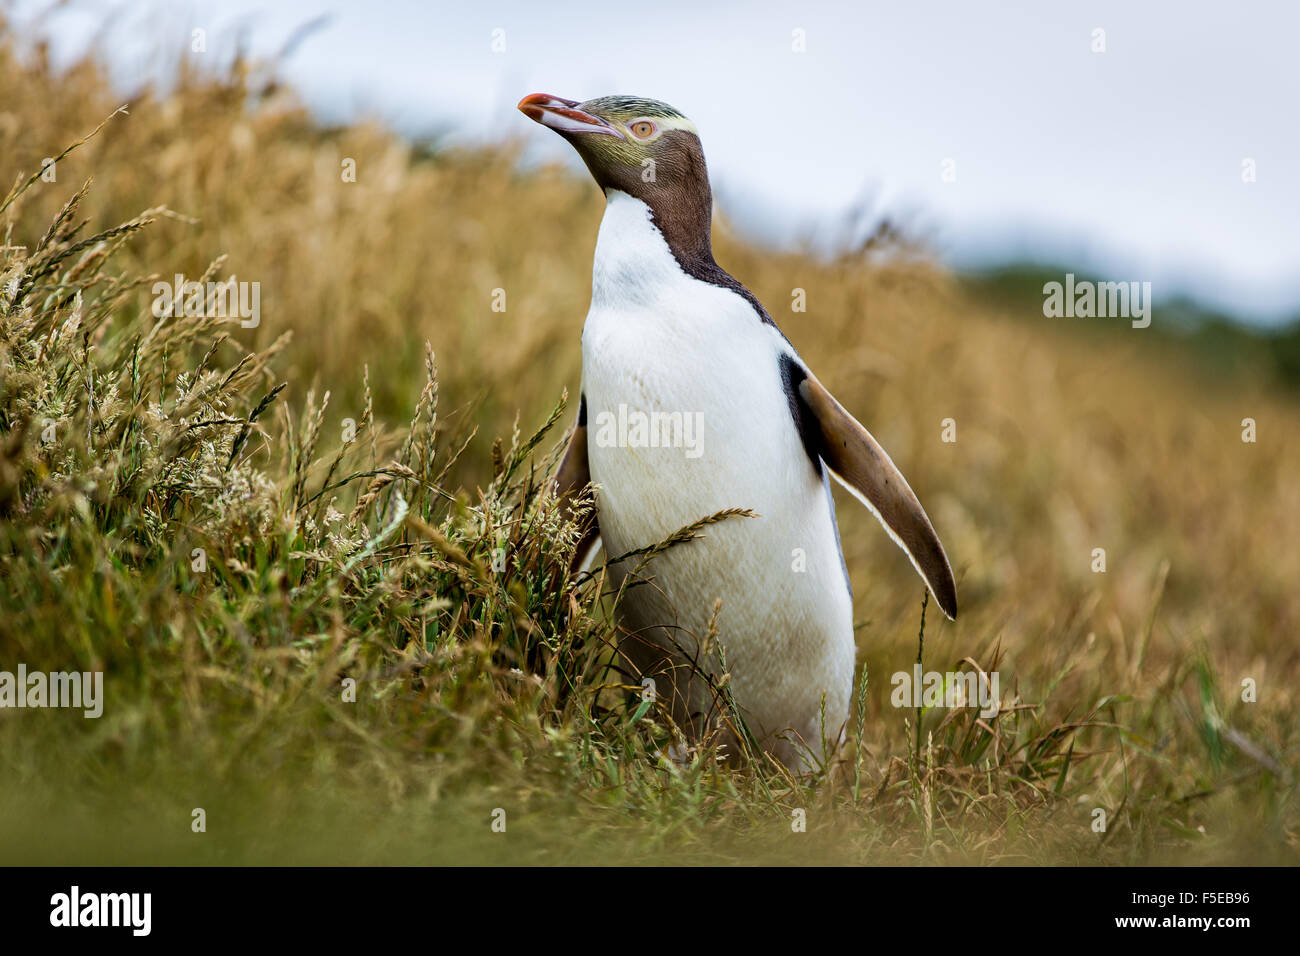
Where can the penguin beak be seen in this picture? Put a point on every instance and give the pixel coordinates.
(563, 116)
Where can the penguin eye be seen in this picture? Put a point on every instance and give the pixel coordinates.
(642, 129)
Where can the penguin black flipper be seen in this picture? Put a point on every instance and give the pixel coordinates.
(863, 467)
(571, 479)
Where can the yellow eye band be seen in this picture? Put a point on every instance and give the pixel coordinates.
(647, 129)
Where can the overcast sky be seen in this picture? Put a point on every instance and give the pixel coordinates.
(1126, 162)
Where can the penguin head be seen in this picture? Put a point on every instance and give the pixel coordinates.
(642, 147)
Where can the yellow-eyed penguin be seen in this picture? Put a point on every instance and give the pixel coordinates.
(694, 402)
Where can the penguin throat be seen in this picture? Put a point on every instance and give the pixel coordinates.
(636, 258)
(687, 233)
(633, 263)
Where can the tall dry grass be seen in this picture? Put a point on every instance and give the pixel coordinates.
(478, 690)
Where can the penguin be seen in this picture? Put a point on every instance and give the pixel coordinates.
(693, 402)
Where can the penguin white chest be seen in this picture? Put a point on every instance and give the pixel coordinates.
(686, 416)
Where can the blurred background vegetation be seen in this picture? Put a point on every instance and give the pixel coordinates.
(1122, 690)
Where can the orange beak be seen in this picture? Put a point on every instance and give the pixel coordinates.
(563, 116)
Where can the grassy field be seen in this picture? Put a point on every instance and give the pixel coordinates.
(283, 545)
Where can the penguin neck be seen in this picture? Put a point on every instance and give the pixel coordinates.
(642, 256)
(635, 255)
(686, 224)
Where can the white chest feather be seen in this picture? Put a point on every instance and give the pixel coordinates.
(686, 416)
